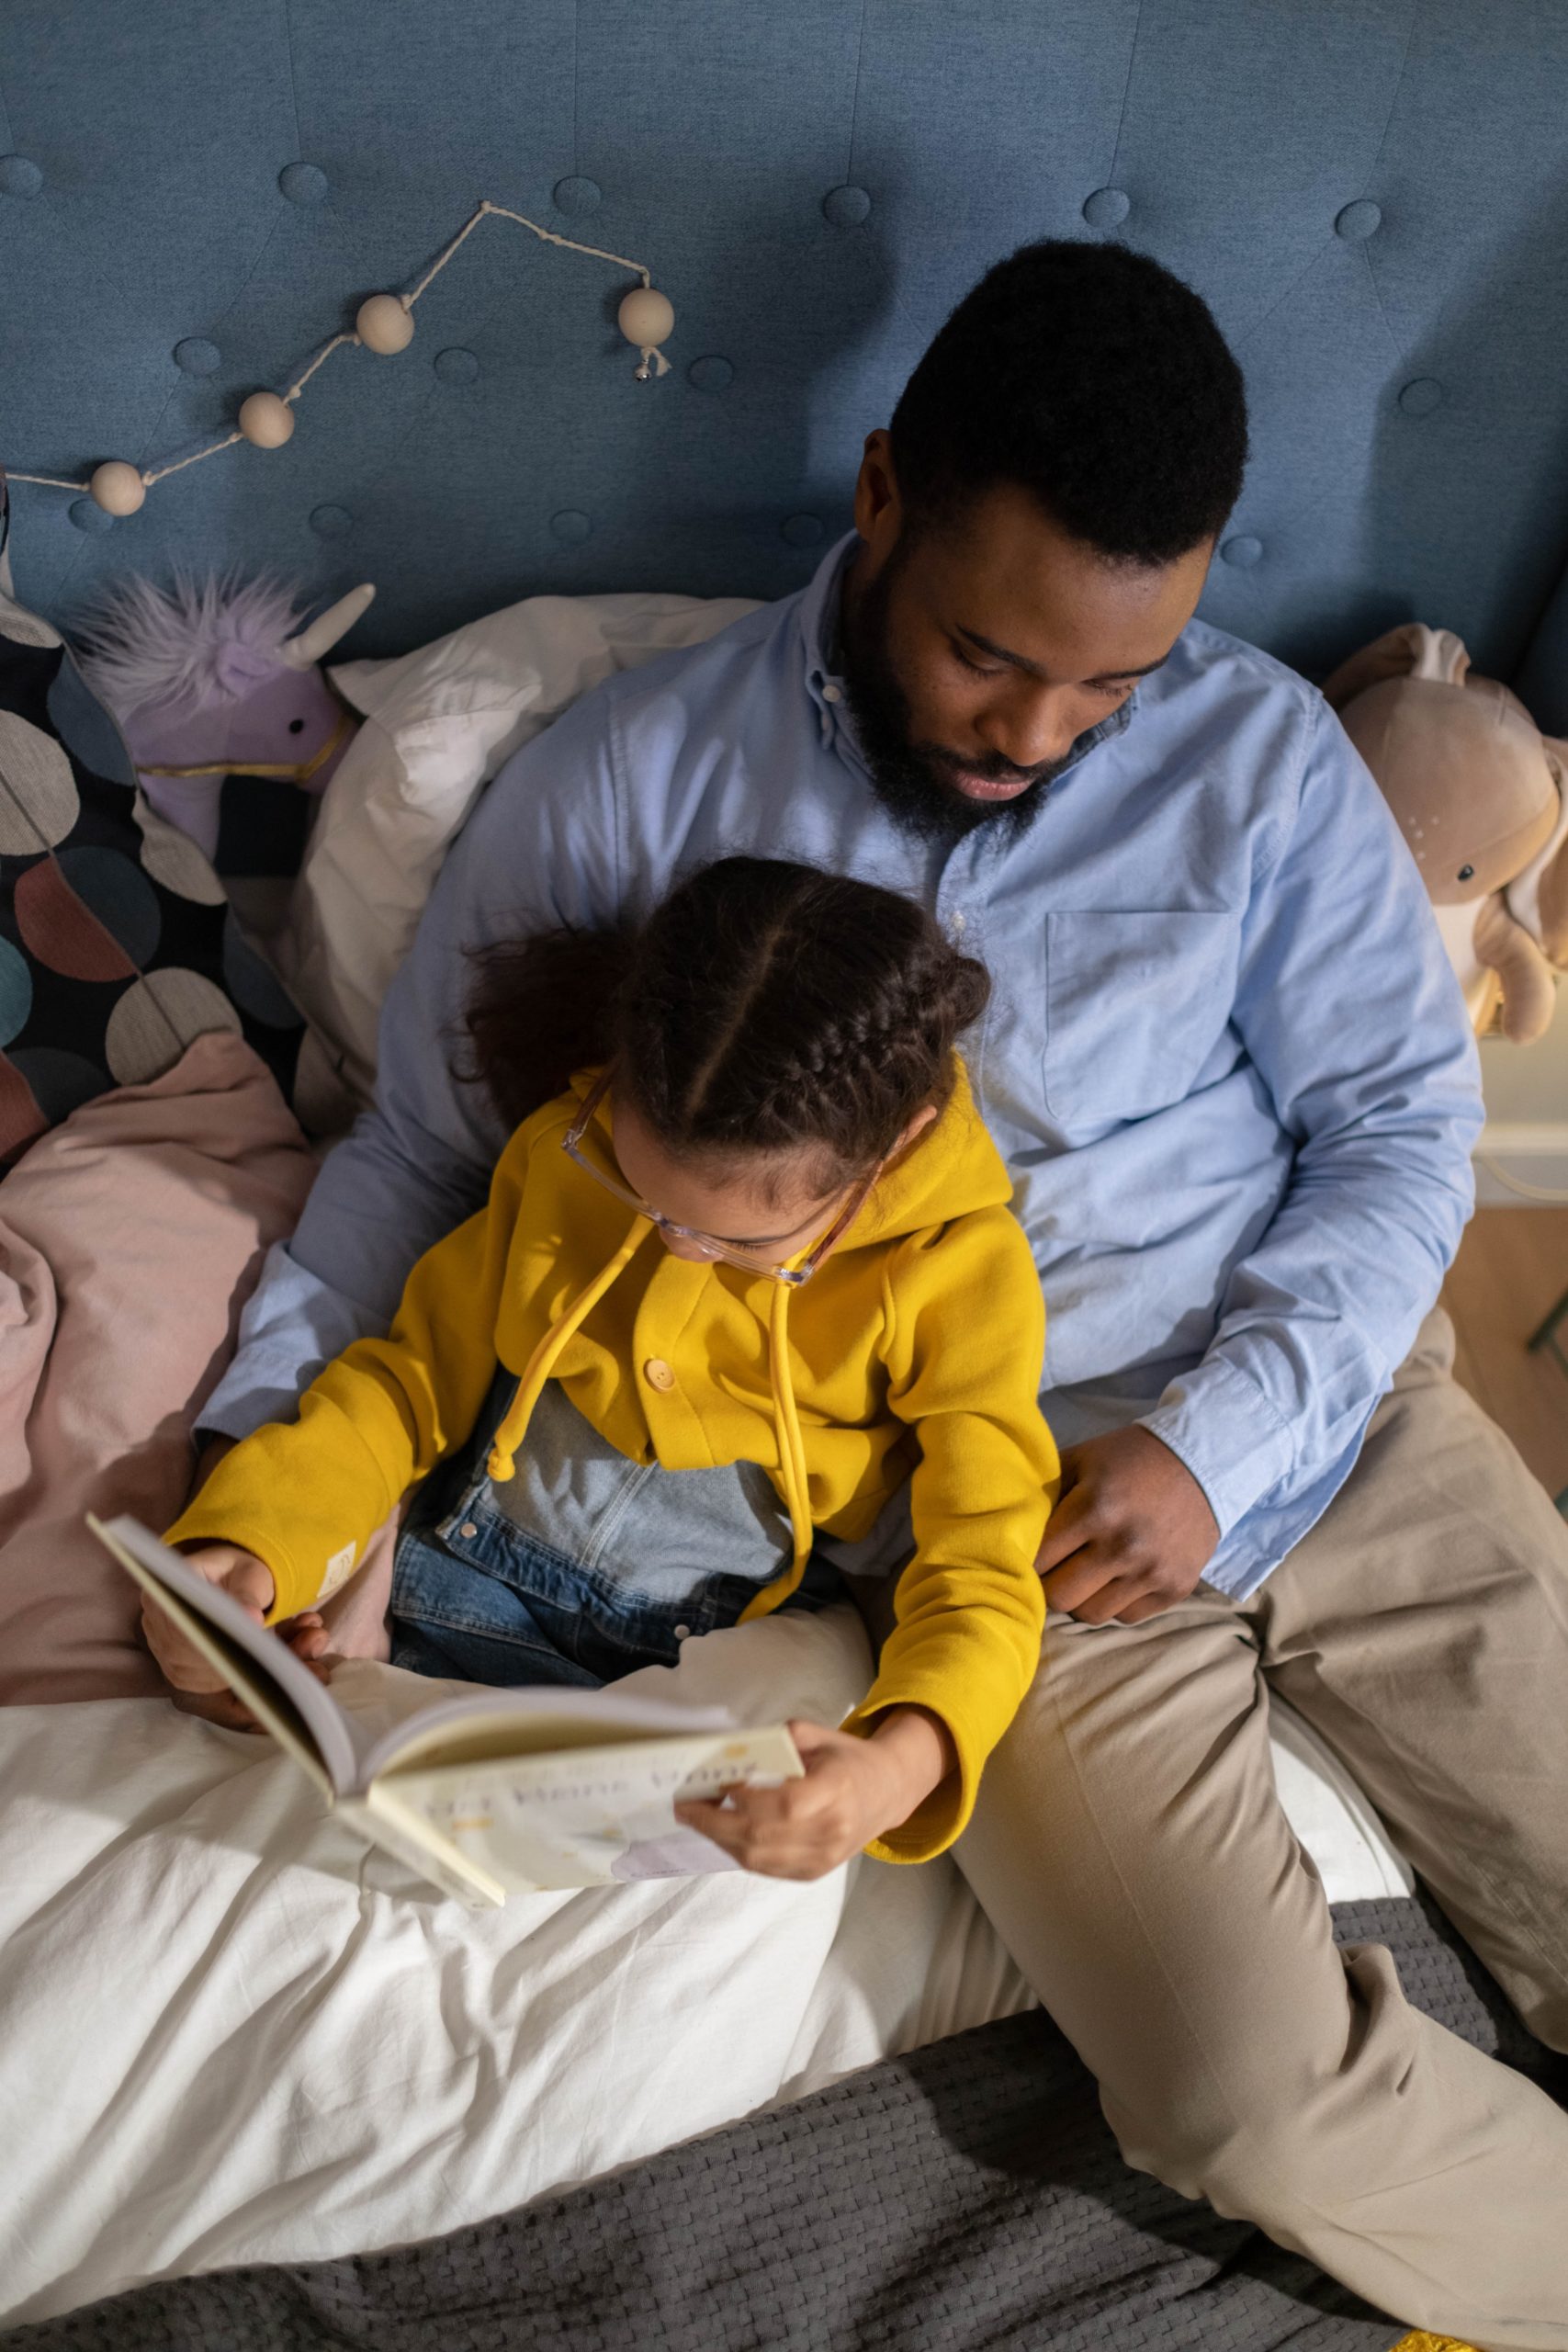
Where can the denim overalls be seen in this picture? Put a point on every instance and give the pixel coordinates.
(584, 1565)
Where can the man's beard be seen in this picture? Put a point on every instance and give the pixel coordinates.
(915, 781)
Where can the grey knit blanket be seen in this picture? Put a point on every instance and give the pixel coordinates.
(966, 2198)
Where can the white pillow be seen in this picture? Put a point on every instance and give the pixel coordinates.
(437, 724)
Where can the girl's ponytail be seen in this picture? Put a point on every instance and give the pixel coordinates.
(540, 1009)
(764, 1006)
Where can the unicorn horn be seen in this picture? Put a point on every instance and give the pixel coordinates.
(305, 649)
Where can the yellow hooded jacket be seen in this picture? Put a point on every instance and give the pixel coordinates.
(916, 1348)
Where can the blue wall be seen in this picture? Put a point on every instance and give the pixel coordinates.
(1370, 193)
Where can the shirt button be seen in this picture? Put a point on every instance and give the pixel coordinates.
(959, 923)
(832, 694)
(468, 1528)
(683, 1633)
(657, 1374)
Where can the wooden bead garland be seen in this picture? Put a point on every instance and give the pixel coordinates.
(116, 487)
(646, 318)
(384, 324)
(266, 420)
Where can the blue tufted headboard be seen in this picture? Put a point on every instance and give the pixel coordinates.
(1371, 193)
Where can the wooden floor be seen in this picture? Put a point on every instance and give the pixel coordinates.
(1511, 1269)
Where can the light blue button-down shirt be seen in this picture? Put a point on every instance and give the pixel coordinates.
(1226, 1059)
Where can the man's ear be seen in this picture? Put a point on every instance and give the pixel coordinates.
(878, 512)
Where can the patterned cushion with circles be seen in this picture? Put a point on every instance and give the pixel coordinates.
(117, 946)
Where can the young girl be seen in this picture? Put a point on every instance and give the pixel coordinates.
(745, 1288)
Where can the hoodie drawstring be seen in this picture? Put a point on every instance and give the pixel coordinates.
(514, 1424)
(791, 1462)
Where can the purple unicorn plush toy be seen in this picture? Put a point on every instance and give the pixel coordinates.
(216, 678)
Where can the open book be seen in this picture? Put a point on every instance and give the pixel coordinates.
(497, 1792)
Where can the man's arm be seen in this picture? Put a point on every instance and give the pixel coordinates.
(539, 850)
(1352, 1016)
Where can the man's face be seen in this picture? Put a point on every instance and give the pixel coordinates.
(977, 652)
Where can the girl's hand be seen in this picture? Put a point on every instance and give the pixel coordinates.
(241, 1575)
(854, 1788)
(198, 1688)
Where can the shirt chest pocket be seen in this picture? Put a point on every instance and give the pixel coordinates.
(1136, 1005)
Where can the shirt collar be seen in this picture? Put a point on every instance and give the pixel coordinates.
(819, 609)
(818, 617)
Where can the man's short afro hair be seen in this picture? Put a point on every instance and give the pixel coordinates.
(1089, 376)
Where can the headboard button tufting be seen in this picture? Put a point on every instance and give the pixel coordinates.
(1243, 551)
(196, 356)
(19, 178)
(331, 522)
(847, 206)
(571, 528)
(711, 373)
(1106, 208)
(1421, 396)
(575, 195)
(1358, 220)
(302, 183)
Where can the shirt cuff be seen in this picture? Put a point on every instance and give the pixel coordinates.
(292, 1326)
(254, 1389)
(1220, 1426)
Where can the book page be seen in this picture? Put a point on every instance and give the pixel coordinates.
(587, 1815)
(532, 1720)
(382, 1821)
(284, 1697)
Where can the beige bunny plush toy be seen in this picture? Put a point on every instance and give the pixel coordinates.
(1481, 799)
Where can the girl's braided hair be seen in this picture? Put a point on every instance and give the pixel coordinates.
(763, 1006)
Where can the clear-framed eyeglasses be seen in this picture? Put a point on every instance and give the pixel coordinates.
(750, 1261)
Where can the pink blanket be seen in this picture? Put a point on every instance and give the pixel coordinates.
(130, 1239)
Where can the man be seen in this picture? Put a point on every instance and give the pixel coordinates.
(1231, 1073)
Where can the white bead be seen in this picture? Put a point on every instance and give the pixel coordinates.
(646, 317)
(117, 488)
(266, 420)
(384, 323)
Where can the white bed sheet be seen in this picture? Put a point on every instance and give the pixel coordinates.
(233, 2035)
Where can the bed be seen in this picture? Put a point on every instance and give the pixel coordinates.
(232, 2038)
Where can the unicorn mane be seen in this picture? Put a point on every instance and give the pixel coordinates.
(176, 645)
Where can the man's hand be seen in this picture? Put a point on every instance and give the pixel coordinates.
(853, 1790)
(1131, 1533)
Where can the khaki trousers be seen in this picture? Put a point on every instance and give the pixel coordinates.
(1131, 1851)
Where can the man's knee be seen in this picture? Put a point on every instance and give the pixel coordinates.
(1299, 2132)
(1275, 2170)
(1320, 2129)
